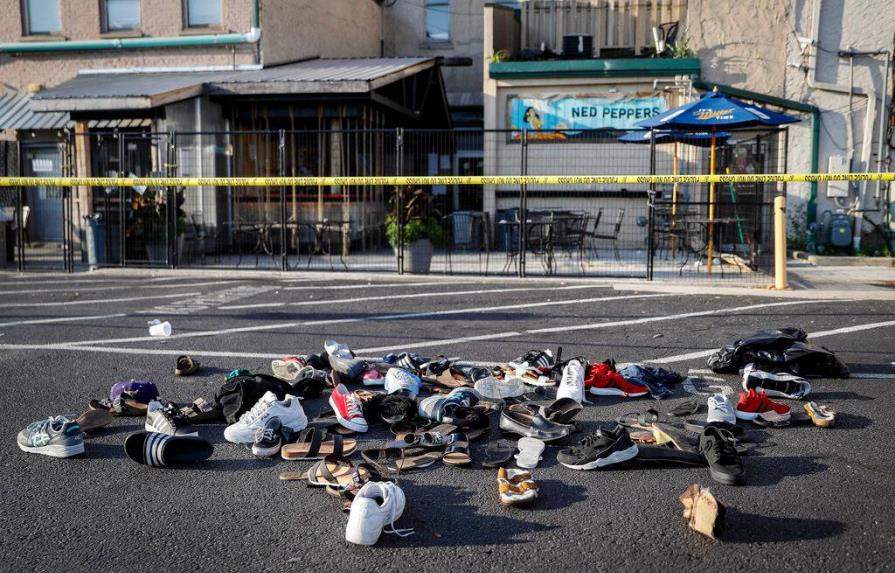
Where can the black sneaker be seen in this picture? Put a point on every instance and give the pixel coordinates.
(603, 448)
(268, 439)
(718, 446)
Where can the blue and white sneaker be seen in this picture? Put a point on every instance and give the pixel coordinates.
(56, 437)
(400, 380)
(438, 407)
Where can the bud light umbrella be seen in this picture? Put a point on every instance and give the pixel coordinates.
(711, 111)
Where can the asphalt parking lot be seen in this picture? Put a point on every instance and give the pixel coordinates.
(818, 499)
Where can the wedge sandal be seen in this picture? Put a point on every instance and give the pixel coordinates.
(312, 444)
(823, 416)
(457, 451)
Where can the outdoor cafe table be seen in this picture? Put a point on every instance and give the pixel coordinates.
(542, 224)
(696, 237)
(321, 247)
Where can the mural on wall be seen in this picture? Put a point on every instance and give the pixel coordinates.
(541, 116)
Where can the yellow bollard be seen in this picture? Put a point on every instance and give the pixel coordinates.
(780, 281)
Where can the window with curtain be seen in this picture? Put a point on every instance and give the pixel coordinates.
(121, 15)
(41, 17)
(202, 13)
(438, 20)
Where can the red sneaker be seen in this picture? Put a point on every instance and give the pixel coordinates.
(603, 380)
(753, 403)
(347, 407)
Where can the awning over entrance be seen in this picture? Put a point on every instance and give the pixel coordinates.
(16, 113)
(376, 78)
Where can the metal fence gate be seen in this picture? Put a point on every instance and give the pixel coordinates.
(574, 230)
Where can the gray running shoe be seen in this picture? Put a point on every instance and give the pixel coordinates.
(168, 420)
(56, 437)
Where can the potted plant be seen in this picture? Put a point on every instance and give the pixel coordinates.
(149, 215)
(421, 228)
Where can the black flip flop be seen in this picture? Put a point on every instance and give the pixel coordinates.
(498, 453)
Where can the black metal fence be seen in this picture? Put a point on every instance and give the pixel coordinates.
(577, 230)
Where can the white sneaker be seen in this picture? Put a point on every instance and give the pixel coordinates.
(334, 348)
(782, 385)
(376, 508)
(289, 411)
(721, 410)
(572, 383)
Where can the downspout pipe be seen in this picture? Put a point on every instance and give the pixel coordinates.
(250, 37)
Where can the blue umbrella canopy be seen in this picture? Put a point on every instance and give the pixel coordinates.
(697, 138)
(713, 110)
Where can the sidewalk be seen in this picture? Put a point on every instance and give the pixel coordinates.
(806, 281)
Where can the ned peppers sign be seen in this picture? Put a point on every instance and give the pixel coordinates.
(575, 114)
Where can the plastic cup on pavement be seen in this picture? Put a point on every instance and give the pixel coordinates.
(160, 329)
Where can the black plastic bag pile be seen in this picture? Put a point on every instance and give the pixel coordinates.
(778, 350)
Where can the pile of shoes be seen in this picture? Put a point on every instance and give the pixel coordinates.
(433, 409)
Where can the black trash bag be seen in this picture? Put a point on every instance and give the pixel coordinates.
(805, 359)
(778, 350)
(730, 358)
(237, 395)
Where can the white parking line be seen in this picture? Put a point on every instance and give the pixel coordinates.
(378, 285)
(405, 296)
(590, 326)
(135, 351)
(280, 326)
(67, 319)
(101, 301)
(515, 306)
(821, 334)
(118, 287)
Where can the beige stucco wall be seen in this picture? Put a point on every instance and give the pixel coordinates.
(81, 21)
(296, 29)
(405, 35)
(741, 44)
(768, 47)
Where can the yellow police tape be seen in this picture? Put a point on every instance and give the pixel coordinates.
(434, 180)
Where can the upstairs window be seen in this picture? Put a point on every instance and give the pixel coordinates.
(438, 20)
(202, 13)
(41, 17)
(120, 15)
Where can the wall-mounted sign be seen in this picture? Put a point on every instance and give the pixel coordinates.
(575, 114)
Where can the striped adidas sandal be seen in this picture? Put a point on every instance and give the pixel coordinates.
(161, 451)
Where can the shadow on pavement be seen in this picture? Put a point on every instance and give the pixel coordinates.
(769, 470)
(459, 521)
(753, 528)
(824, 396)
